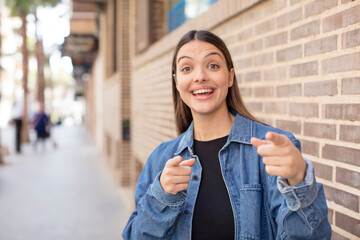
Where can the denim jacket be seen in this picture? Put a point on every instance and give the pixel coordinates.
(264, 206)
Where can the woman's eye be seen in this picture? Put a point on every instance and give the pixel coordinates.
(185, 69)
(213, 66)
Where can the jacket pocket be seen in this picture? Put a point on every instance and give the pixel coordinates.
(251, 209)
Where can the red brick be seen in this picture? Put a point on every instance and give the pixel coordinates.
(350, 112)
(264, 59)
(291, 126)
(254, 45)
(319, 6)
(244, 63)
(342, 19)
(291, 90)
(350, 133)
(350, 85)
(328, 87)
(348, 177)
(348, 223)
(239, 78)
(252, 76)
(320, 130)
(276, 107)
(245, 35)
(276, 39)
(323, 171)
(304, 109)
(268, 121)
(289, 18)
(305, 30)
(342, 198)
(341, 154)
(289, 53)
(350, 39)
(230, 40)
(311, 148)
(342, 63)
(246, 92)
(334, 111)
(264, 27)
(254, 106)
(322, 45)
(304, 69)
(337, 236)
(264, 92)
(275, 74)
(238, 50)
(292, 2)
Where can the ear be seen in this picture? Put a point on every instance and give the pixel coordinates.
(176, 83)
(231, 77)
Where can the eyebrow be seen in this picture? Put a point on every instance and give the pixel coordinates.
(207, 55)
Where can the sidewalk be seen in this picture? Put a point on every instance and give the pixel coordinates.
(63, 193)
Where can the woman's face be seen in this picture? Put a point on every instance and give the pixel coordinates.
(202, 77)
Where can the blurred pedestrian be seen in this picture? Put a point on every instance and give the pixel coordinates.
(17, 121)
(42, 126)
(227, 175)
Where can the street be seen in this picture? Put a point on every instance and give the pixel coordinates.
(63, 193)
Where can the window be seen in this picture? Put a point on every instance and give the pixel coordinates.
(182, 10)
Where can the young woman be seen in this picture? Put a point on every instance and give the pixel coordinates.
(227, 176)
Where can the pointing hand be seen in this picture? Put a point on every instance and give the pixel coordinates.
(281, 157)
(176, 175)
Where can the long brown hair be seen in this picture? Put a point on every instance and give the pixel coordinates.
(183, 116)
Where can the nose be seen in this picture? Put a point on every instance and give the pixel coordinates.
(200, 75)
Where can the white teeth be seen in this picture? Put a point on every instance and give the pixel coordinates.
(202, 91)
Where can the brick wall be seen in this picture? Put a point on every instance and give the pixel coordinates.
(111, 74)
(298, 66)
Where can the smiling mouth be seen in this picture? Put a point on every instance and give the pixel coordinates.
(202, 92)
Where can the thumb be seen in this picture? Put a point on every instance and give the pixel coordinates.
(188, 163)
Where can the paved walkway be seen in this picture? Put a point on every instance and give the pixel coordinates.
(59, 194)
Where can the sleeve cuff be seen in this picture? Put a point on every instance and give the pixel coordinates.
(168, 199)
(302, 194)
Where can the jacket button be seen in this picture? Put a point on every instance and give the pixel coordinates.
(188, 155)
(186, 211)
(195, 177)
(237, 146)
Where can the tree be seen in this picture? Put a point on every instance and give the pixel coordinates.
(21, 8)
(40, 56)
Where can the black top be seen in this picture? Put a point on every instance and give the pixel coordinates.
(213, 216)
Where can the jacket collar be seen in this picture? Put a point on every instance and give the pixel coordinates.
(241, 132)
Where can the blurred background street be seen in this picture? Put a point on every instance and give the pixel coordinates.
(59, 193)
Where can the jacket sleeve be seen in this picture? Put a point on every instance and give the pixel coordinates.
(300, 211)
(155, 210)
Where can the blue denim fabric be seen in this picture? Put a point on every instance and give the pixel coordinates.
(264, 206)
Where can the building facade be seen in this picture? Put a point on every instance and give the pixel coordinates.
(297, 64)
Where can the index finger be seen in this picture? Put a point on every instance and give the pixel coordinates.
(276, 138)
(174, 162)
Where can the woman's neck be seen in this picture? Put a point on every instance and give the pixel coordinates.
(212, 126)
